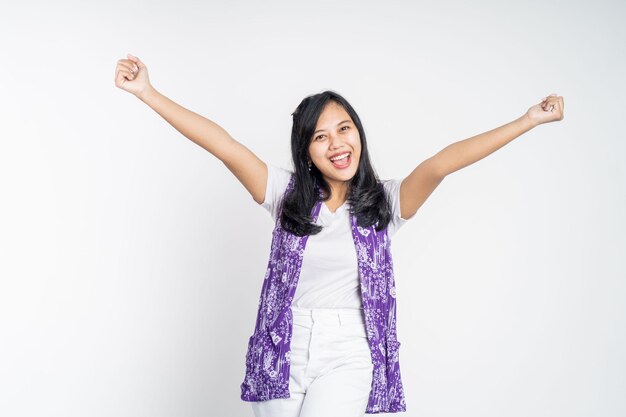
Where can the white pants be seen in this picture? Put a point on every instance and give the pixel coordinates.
(331, 366)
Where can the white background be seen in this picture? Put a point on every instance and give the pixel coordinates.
(132, 260)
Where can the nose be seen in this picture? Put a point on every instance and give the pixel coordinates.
(335, 141)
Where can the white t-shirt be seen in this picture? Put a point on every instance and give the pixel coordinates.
(329, 273)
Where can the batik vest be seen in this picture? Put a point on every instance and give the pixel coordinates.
(268, 353)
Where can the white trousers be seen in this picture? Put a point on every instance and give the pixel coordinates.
(331, 366)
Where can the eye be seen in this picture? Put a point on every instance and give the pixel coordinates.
(319, 136)
(347, 127)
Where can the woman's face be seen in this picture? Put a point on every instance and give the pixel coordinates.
(335, 135)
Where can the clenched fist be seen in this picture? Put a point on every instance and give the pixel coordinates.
(550, 109)
(132, 75)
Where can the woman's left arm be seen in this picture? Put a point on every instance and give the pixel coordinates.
(420, 184)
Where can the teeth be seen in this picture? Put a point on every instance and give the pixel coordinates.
(339, 156)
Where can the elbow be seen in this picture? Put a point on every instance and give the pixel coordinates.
(436, 169)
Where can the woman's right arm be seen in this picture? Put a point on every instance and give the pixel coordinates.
(251, 171)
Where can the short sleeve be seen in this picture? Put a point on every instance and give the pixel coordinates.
(392, 187)
(277, 181)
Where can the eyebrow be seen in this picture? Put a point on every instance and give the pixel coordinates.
(321, 130)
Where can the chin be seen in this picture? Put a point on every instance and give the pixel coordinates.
(340, 176)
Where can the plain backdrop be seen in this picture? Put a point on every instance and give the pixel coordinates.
(132, 259)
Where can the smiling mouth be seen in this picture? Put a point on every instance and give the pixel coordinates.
(343, 161)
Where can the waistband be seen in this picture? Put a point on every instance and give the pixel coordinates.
(329, 315)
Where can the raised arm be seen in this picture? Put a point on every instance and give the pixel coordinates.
(132, 76)
(420, 184)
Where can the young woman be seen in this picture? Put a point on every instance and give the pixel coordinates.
(325, 341)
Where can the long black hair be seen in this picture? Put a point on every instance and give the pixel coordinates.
(366, 194)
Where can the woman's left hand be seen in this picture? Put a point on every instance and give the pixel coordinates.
(549, 110)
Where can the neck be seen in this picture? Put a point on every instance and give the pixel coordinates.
(338, 191)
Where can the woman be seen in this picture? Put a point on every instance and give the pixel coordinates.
(325, 341)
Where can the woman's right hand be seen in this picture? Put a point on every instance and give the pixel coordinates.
(132, 75)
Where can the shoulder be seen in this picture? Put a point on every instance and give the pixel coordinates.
(392, 190)
(279, 178)
(392, 186)
(277, 181)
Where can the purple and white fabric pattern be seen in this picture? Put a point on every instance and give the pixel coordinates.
(267, 356)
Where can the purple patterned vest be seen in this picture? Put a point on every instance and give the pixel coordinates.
(267, 357)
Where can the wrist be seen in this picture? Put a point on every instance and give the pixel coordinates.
(146, 94)
(528, 121)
